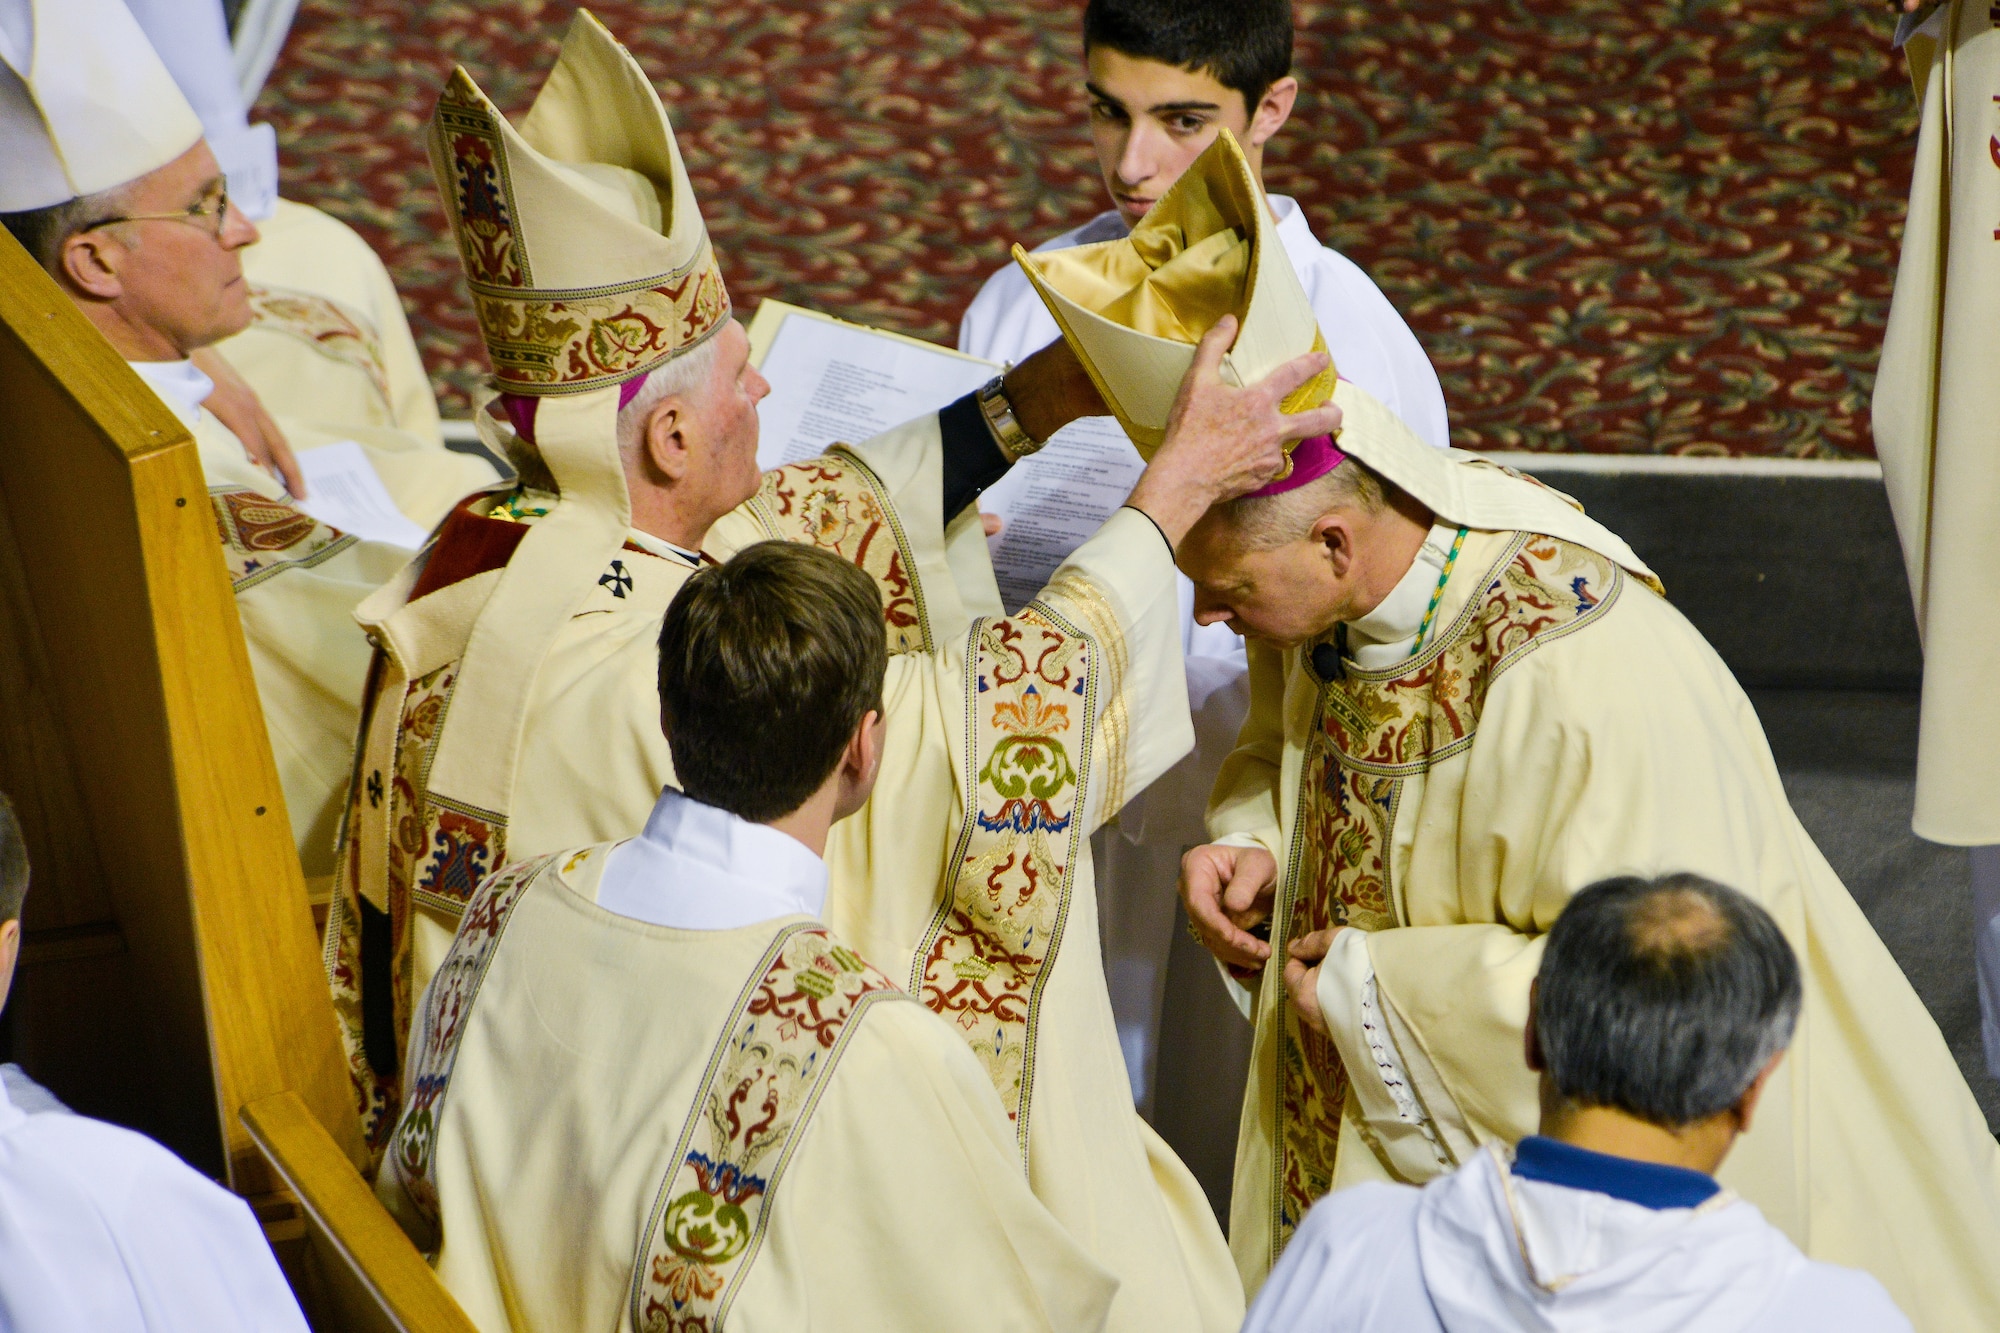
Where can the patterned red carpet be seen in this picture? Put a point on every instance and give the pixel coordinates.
(1658, 227)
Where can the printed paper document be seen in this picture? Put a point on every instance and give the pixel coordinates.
(833, 381)
(343, 489)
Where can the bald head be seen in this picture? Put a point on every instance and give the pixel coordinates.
(1663, 998)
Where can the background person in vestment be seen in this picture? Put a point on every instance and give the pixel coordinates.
(1936, 401)
(111, 187)
(1467, 699)
(880, 1176)
(329, 346)
(1660, 1012)
(515, 701)
(1163, 77)
(103, 1229)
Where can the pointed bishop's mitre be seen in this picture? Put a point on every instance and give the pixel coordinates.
(85, 103)
(1133, 309)
(582, 242)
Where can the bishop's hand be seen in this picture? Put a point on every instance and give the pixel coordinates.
(1050, 389)
(1222, 441)
(1228, 892)
(1302, 976)
(236, 405)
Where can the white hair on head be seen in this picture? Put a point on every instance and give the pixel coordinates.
(686, 376)
(1261, 522)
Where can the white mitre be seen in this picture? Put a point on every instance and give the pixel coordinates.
(85, 103)
(192, 39)
(1134, 308)
(582, 240)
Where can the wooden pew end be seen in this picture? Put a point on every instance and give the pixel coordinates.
(357, 1270)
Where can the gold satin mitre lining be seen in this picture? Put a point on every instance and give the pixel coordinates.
(1132, 309)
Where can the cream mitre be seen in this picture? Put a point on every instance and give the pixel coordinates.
(85, 103)
(1134, 308)
(583, 245)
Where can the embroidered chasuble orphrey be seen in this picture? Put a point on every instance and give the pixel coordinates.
(966, 878)
(718, 1187)
(1373, 730)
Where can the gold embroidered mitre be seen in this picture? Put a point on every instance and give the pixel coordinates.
(583, 245)
(1133, 309)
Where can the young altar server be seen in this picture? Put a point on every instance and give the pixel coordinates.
(1659, 1016)
(1467, 699)
(103, 1229)
(791, 1141)
(1163, 78)
(110, 186)
(515, 697)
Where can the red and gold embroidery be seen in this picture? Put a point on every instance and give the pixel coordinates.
(1031, 704)
(325, 326)
(1373, 731)
(835, 502)
(762, 1082)
(482, 193)
(544, 340)
(262, 538)
(438, 850)
(441, 1026)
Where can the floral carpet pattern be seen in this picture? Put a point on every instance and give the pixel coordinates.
(1659, 227)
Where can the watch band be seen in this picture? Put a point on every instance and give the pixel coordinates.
(994, 405)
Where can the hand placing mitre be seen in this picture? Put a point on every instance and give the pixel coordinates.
(1222, 441)
(237, 406)
(1228, 892)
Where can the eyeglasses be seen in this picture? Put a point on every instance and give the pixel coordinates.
(210, 213)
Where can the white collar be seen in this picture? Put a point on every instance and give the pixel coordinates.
(1388, 634)
(663, 548)
(179, 384)
(696, 867)
(1294, 232)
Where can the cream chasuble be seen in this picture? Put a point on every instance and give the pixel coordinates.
(874, 1184)
(329, 343)
(1561, 723)
(1936, 404)
(297, 582)
(1008, 740)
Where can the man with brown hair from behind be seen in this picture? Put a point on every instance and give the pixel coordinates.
(790, 1140)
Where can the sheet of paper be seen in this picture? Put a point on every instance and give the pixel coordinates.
(833, 382)
(342, 488)
(1053, 500)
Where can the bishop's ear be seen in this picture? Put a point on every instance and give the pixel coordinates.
(1334, 533)
(667, 442)
(89, 262)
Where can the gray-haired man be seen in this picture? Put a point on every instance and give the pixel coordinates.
(1660, 1011)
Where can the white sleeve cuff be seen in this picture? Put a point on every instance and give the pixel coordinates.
(1360, 1030)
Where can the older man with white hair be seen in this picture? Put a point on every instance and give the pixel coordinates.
(516, 704)
(110, 186)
